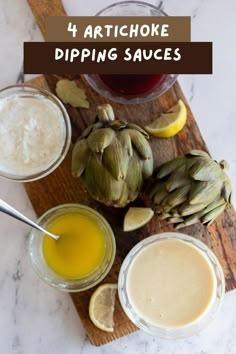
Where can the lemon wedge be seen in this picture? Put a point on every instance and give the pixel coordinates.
(170, 123)
(136, 218)
(102, 305)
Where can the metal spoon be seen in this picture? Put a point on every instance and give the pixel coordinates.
(9, 210)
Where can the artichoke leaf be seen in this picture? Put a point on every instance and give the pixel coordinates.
(116, 160)
(124, 197)
(204, 170)
(189, 209)
(198, 153)
(159, 193)
(125, 141)
(80, 156)
(147, 168)
(204, 192)
(166, 209)
(173, 184)
(190, 161)
(212, 215)
(134, 179)
(193, 219)
(165, 216)
(100, 139)
(86, 131)
(90, 183)
(138, 128)
(97, 125)
(175, 220)
(109, 188)
(180, 226)
(170, 167)
(176, 197)
(226, 190)
(140, 143)
(91, 128)
(155, 189)
(177, 179)
(216, 203)
(175, 211)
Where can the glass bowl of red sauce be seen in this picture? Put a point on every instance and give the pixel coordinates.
(131, 88)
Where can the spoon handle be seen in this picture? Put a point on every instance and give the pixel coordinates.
(9, 210)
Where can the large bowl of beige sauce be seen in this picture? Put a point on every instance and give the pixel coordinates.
(171, 285)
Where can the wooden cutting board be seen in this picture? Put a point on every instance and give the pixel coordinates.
(60, 187)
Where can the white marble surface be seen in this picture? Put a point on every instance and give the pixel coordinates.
(37, 319)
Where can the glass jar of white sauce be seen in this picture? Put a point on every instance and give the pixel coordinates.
(35, 133)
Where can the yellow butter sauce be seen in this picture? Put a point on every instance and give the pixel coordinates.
(80, 249)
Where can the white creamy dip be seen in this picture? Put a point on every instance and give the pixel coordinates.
(171, 284)
(32, 134)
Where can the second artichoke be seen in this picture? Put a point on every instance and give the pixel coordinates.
(191, 189)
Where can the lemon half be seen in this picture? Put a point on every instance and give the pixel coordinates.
(170, 123)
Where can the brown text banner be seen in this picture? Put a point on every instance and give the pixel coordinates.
(125, 29)
(123, 58)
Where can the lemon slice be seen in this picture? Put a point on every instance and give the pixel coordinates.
(102, 305)
(136, 218)
(170, 123)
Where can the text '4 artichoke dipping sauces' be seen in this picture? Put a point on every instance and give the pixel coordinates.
(32, 134)
(170, 284)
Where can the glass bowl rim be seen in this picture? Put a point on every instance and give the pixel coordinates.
(162, 332)
(130, 2)
(109, 232)
(65, 121)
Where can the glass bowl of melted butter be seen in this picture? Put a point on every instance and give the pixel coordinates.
(35, 133)
(171, 285)
(81, 257)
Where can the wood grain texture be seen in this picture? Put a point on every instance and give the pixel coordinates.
(60, 187)
(43, 8)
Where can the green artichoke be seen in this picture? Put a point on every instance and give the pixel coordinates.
(112, 159)
(191, 189)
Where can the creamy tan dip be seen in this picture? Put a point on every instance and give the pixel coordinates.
(170, 283)
(32, 134)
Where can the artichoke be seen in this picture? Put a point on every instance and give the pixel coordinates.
(191, 189)
(112, 159)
